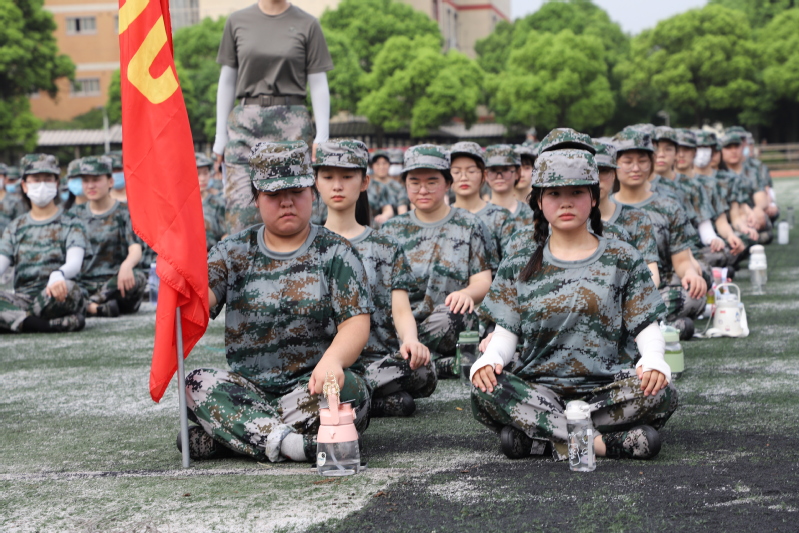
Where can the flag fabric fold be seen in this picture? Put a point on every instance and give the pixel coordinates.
(161, 177)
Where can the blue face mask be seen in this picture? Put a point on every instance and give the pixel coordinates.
(12, 188)
(119, 180)
(64, 196)
(746, 152)
(75, 186)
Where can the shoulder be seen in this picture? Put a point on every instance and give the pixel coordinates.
(621, 253)
(382, 239)
(244, 15)
(327, 240)
(462, 217)
(635, 215)
(397, 221)
(80, 211)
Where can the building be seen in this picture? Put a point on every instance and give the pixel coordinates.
(88, 32)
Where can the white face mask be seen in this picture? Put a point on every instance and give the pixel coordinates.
(394, 170)
(746, 152)
(42, 193)
(702, 157)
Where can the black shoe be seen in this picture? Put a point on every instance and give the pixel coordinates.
(515, 444)
(67, 323)
(109, 309)
(642, 442)
(445, 368)
(397, 404)
(203, 446)
(686, 328)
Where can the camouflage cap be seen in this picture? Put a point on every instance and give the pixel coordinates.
(12, 173)
(731, 137)
(686, 138)
(203, 160)
(631, 139)
(501, 155)
(275, 166)
(561, 138)
(39, 164)
(605, 154)
(706, 139)
(665, 133)
(343, 154)
(526, 150)
(740, 130)
(470, 149)
(426, 156)
(649, 129)
(3, 169)
(377, 155)
(116, 159)
(561, 168)
(93, 165)
(396, 156)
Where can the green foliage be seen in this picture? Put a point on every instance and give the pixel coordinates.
(758, 12)
(368, 24)
(91, 120)
(345, 80)
(778, 46)
(114, 104)
(552, 81)
(700, 64)
(29, 61)
(412, 84)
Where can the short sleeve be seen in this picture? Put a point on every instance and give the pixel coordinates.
(317, 56)
(218, 275)
(502, 302)
(481, 257)
(77, 234)
(7, 242)
(348, 285)
(681, 232)
(130, 236)
(401, 273)
(642, 304)
(227, 47)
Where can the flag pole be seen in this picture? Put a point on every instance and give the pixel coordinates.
(184, 419)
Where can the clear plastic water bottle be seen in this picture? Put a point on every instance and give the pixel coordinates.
(466, 354)
(581, 437)
(675, 356)
(152, 284)
(791, 217)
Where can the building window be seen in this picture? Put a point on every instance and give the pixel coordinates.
(86, 87)
(435, 10)
(454, 34)
(81, 25)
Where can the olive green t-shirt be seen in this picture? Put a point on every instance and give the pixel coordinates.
(273, 54)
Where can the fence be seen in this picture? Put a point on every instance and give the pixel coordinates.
(780, 156)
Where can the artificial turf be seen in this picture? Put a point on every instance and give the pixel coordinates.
(83, 448)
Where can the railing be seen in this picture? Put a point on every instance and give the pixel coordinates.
(779, 156)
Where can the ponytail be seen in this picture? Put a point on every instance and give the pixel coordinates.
(595, 217)
(363, 214)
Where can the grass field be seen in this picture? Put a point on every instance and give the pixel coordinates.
(83, 448)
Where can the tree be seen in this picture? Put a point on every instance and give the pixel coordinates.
(701, 65)
(29, 62)
(346, 78)
(413, 84)
(758, 12)
(553, 81)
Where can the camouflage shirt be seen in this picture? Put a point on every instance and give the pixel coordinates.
(673, 190)
(639, 228)
(761, 172)
(214, 216)
(501, 225)
(443, 255)
(729, 184)
(38, 247)
(673, 231)
(398, 194)
(574, 317)
(524, 215)
(110, 235)
(523, 241)
(699, 196)
(387, 269)
(379, 197)
(283, 309)
(745, 184)
(714, 192)
(11, 207)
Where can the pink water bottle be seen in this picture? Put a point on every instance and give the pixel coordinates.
(337, 452)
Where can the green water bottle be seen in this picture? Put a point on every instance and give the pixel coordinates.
(466, 354)
(675, 356)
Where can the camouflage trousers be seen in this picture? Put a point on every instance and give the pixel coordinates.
(439, 332)
(722, 259)
(253, 421)
(538, 410)
(246, 126)
(391, 374)
(15, 308)
(100, 292)
(679, 303)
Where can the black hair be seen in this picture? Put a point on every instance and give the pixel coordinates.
(379, 156)
(616, 185)
(529, 158)
(541, 228)
(70, 201)
(446, 173)
(27, 201)
(363, 213)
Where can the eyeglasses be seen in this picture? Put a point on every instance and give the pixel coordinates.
(628, 165)
(472, 172)
(431, 186)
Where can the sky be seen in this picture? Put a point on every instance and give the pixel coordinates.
(632, 15)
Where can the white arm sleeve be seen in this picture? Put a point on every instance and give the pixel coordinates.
(5, 262)
(499, 352)
(706, 232)
(652, 347)
(225, 98)
(70, 268)
(320, 98)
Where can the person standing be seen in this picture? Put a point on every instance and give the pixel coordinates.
(271, 53)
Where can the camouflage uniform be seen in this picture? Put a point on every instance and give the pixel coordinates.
(379, 197)
(247, 125)
(443, 256)
(213, 206)
(501, 225)
(11, 207)
(283, 311)
(574, 319)
(37, 248)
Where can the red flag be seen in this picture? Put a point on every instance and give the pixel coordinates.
(161, 176)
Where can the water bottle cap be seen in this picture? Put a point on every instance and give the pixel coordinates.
(578, 410)
(671, 334)
(469, 337)
(757, 249)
